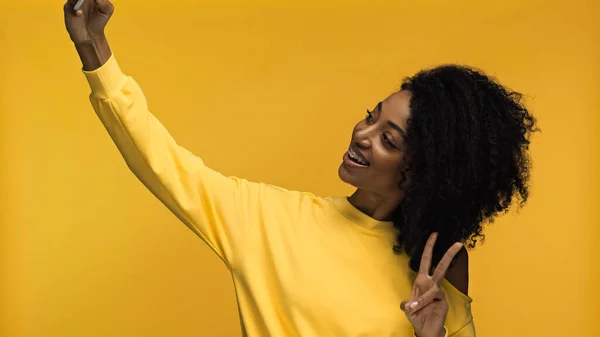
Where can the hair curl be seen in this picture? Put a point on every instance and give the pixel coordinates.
(467, 142)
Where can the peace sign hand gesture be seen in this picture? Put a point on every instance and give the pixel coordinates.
(427, 308)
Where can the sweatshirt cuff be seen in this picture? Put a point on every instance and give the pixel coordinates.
(106, 81)
(445, 333)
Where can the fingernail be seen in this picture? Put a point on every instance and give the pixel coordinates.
(414, 305)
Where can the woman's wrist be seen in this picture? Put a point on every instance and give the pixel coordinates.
(93, 53)
(442, 333)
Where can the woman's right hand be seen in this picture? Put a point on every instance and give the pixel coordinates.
(86, 29)
(88, 22)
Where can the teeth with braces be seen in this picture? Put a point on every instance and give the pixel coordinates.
(355, 156)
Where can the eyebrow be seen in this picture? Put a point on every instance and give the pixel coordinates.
(397, 128)
(390, 123)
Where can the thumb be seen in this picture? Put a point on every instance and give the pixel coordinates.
(406, 306)
(431, 295)
(105, 7)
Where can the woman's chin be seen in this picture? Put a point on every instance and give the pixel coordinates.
(346, 176)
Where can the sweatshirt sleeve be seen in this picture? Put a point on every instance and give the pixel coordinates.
(459, 319)
(217, 208)
(467, 331)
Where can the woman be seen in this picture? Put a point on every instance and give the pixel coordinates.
(431, 163)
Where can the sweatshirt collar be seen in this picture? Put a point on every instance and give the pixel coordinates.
(363, 220)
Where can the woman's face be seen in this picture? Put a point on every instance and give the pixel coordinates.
(375, 158)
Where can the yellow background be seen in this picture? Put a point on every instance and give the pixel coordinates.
(270, 91)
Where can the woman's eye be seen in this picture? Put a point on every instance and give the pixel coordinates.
(369, 117)
(387, 140)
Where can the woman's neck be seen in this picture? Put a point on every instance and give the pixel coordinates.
(379, 207)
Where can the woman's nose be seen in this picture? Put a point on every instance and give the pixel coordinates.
(363, 141)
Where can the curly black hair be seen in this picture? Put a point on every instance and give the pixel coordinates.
(467, 142)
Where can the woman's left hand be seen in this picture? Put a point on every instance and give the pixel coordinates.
(426, 310)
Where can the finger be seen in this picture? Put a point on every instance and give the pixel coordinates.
(431, 295)
(427, 254)
(68, 8)
(404, 306)
(414, 294)
(442, 267)
(105, 6)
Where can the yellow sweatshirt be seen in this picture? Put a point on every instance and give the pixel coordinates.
(302, 265)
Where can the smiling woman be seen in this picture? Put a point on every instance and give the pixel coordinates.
(430, 164)
(378, 144)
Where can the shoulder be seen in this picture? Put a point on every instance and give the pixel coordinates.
(458, 273)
